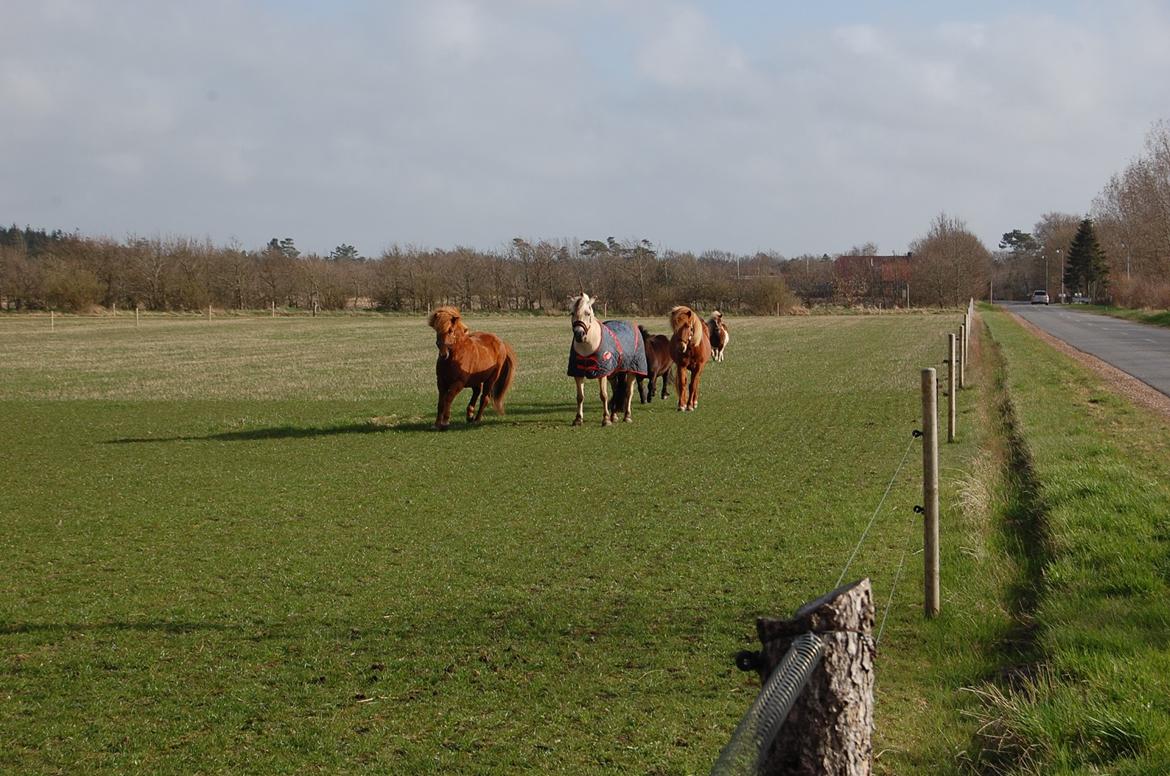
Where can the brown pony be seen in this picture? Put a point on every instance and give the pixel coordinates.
(691, 351)
(658, 363)
(719, 336)
(474, 359)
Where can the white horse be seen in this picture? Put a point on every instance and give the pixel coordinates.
(589, 360)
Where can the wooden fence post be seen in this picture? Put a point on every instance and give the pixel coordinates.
(967, 339)
(951, 398)
(930, 492)
(830, 727)
(136, 309)
(962, 357)
(52, 320)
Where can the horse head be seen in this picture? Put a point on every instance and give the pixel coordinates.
(449, 329)
(581, 310)
(687, 326)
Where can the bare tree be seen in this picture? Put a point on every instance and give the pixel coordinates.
(950, 264)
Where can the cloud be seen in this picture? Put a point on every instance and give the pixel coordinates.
(684, 51)
(471, 122)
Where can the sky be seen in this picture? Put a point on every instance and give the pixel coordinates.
(734, 126)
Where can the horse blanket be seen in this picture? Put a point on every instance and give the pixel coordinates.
(622, 350)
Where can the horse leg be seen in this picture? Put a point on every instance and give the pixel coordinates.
(629, 397)
(642, 390)
(606, 415)
(580, 401)
(680, 386)
(695, 387)
(475, 391)
(483, 391)
(665, 383)
(447, 395)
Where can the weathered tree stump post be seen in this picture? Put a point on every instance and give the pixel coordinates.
(830, 728)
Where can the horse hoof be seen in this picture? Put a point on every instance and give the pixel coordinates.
(577, 421)
(440, 427)
(606, 422)
(627, 419)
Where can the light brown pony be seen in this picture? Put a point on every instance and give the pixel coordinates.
(474, 359)
(719, 336)
(691, 351)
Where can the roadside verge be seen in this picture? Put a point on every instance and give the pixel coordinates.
(1091, 472)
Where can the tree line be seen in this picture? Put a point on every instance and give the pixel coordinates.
(1118, 252)
(67, 271)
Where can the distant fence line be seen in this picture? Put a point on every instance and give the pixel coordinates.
(814, 714)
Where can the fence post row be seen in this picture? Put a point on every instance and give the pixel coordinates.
(930, 492)
(830, 727)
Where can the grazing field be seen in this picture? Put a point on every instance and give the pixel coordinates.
(237, 546)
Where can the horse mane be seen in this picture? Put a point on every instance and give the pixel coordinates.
(446, 318)
(680, 316)
(576, 302)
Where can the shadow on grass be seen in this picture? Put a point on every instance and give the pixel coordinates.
(8, 629)
(373, 426)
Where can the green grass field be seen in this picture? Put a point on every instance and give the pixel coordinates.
(237, 546)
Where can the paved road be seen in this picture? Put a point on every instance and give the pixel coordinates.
(1140, 349)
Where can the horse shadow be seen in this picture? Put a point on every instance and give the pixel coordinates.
(537, 413)
(162, 626)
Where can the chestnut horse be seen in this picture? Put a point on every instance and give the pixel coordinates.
(601, 350)
(719, 336)
(474, 359)
(658, 363)
(691, 351)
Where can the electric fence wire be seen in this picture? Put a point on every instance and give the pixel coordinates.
(897, 577)
(865, 533)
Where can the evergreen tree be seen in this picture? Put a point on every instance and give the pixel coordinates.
(1086, 270)
(345, 252)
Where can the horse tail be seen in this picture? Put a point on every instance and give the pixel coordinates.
(503, 379)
